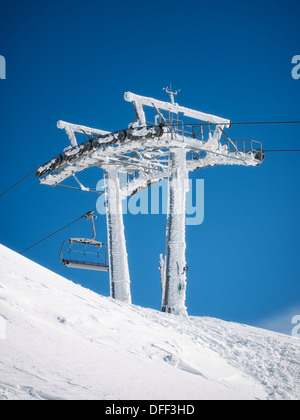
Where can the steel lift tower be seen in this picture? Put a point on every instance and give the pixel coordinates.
(167, 148)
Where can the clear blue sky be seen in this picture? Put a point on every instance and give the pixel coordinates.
(74, 61)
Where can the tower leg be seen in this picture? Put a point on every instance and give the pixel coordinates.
(119, 270)
(174, 290)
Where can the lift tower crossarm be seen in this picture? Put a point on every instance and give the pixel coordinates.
(71, 129)
(140, 101)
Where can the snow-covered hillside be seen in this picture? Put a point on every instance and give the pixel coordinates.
(62, 341)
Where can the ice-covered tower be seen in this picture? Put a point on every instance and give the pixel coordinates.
(146, 153)
(190, 146)
(118, 260)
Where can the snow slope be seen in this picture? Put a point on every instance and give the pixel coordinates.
(65, 342)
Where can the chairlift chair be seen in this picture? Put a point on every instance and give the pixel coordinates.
(91, 256)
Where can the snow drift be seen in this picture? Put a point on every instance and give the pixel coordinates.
(62, 341)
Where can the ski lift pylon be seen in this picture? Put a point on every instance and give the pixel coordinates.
(90, 253)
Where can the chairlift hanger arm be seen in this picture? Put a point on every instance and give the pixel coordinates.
(89, 244)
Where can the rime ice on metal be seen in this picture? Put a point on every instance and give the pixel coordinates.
(143, 154)
(119, 271)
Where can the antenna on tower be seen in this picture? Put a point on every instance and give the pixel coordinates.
(171, 93)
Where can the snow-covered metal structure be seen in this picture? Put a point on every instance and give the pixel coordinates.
(149, 152)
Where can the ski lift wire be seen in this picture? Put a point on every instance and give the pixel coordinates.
(236, 123)
(59, 230)
(281, 151)
(17, 183)
(190, 125)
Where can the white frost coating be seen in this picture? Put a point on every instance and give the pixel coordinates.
(175, 284)
(162, 269)
(119, 271)
(148, 152)
(139, 101)
(216, 155)
(77, 128)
